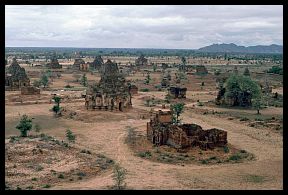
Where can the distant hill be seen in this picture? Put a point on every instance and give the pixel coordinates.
(233, 48)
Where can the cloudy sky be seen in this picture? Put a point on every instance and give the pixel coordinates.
(153, 26)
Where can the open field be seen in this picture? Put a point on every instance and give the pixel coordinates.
(106, 133)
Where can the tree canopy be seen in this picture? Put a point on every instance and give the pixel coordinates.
(236, 85)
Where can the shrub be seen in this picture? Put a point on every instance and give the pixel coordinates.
(254, 178)
(61, 176)
(244, 119)
(235, 157)
(119, 176)
(200, 104)
(204, 161)
(226, 149)
(34, 179)
(146, 154)
(70, 136)
(24, 125)
(47, 186)
(68, 86)
(144, 90)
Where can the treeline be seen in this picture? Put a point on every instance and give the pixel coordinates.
(68, 53)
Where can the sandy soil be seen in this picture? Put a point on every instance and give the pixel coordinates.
(105, 133)
(108, 137)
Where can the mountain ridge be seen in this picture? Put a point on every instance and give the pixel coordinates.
(233, 48)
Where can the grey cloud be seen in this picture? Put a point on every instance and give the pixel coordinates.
(181, 26)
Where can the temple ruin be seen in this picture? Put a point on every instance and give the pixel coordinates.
(111, 93)
(15, 76)
(97, 63)
(141, 61)
(54, 63)
(77, 63)
(201, 69)
(161, 131)
(177, 92)
(30, 90)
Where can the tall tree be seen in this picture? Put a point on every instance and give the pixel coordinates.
(176, 109)
(24, 125)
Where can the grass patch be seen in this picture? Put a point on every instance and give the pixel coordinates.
(254, 178)
(144, 90)
(146, 154)
(47, 186)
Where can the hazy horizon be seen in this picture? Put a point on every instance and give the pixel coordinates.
(142, 27)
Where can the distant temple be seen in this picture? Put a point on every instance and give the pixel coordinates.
(15, 76)
(111, 93)
(77, 63)
(141, 61)
(54, 63)
(97, 63)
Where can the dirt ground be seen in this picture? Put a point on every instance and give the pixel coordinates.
(105, 132)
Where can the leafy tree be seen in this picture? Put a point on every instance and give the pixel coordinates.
(44, 80)
(24, 125)
(237, 85)
(84, 80)
(176, 109)
(70, 136)
(183, 60)
(119, 176)
(148, 79)
(154, 67)
(57, 100)
(257, 104)
(276, 70)
(56, 108)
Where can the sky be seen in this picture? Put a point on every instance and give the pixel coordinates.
(142, 26)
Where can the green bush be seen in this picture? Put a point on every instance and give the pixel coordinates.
(70, 136)
(235, 157)
(61, 176)
(144, 90)
(24, 125)
(47, 186)
(146, 154)
(226, 149)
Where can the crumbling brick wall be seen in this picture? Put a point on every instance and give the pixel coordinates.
(30, 90)
(161, 131)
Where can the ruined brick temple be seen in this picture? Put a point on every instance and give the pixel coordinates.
(97, 63)
(141, 61)
(161, 131)
(78, 63)
(15, 76)
(111, 93)
(201, 69)
(30, 90)
(177, 92)
(53, 63)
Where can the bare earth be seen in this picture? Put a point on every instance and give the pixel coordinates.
(106, 133)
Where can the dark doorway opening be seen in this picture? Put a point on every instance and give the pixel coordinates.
(120, 106)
